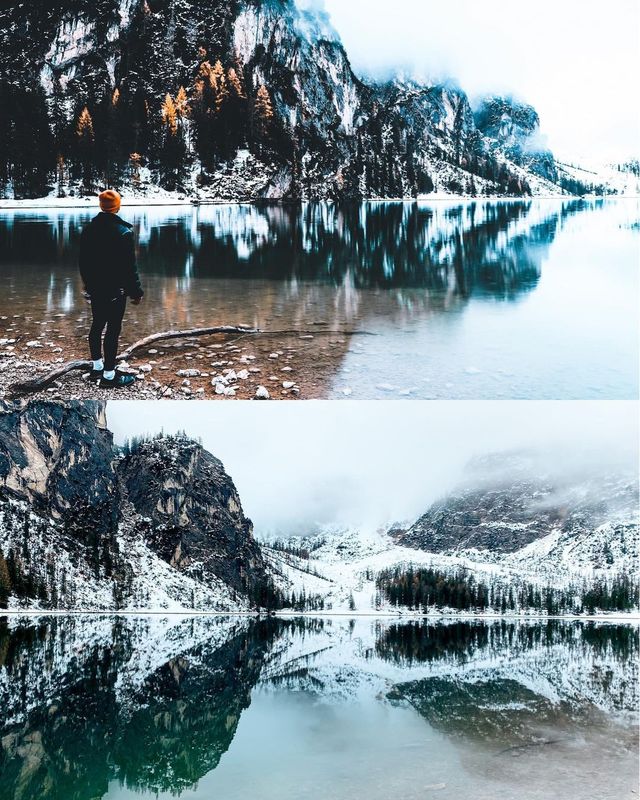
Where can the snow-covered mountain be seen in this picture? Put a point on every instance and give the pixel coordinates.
(508, 504)
(160, 525)
(240, 100)
(514, 529)
(82, 526)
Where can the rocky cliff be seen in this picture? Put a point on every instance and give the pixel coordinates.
(237, 100)
(508, 504)
(514, 129)
(196, 520)
(84, 527)
(58, 457)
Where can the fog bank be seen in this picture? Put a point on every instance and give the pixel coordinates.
(299, 465)
(574, 60)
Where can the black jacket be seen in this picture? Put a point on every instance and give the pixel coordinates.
(108, 259)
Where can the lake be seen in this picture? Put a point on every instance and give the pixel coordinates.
(481, 299)
(332, 708)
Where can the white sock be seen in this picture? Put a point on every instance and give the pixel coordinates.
(98, 365)
(109, 375)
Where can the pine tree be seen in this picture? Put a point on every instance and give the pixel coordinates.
(27, 150)
(173, 152)
(112, 128)
(5, 582)
(60, 174)
(135, 160)
(236, 110)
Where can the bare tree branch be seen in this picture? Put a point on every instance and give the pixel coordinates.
(42, 381)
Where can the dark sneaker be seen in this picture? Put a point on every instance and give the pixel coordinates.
(121, 380)
(95, 374)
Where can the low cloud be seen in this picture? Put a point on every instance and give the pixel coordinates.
(542, 54)
(299, 465)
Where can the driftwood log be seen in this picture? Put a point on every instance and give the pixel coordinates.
(42, 381)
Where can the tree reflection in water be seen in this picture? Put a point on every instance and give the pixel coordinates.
(154, 703)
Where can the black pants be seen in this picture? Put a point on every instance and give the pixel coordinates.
(109, 314)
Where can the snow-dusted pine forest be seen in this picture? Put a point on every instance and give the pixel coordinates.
(240, 100)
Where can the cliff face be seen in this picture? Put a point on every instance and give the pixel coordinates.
(323, 133)
(514, 129)
(197, 522)
(81, 527)
(57, 457)
(508, 505)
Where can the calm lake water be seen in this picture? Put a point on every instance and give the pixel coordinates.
(236, 708)
(468, 299)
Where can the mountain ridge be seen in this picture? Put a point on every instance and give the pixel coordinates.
(254, 99)
(158, 524)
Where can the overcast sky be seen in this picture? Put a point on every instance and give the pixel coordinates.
(367, 463)
(576, 61)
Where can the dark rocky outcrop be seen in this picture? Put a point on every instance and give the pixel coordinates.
(57, 457)
(84, 527)
(197, 522)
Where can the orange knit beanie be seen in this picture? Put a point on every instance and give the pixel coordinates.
(110, 201)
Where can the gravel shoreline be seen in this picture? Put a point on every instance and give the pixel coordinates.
(186, 370)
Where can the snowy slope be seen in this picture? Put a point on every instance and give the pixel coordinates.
(344, 568)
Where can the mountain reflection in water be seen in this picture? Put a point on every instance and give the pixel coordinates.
(102, 706)
(484, 246)
(467, 300)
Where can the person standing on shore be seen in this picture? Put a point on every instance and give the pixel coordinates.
(110, 275)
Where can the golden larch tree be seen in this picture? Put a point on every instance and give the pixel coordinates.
(170, 115)
(84, 128)
(262, 112)
(235, 84)
(203, 79)
(218, 81)
(182, 102)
